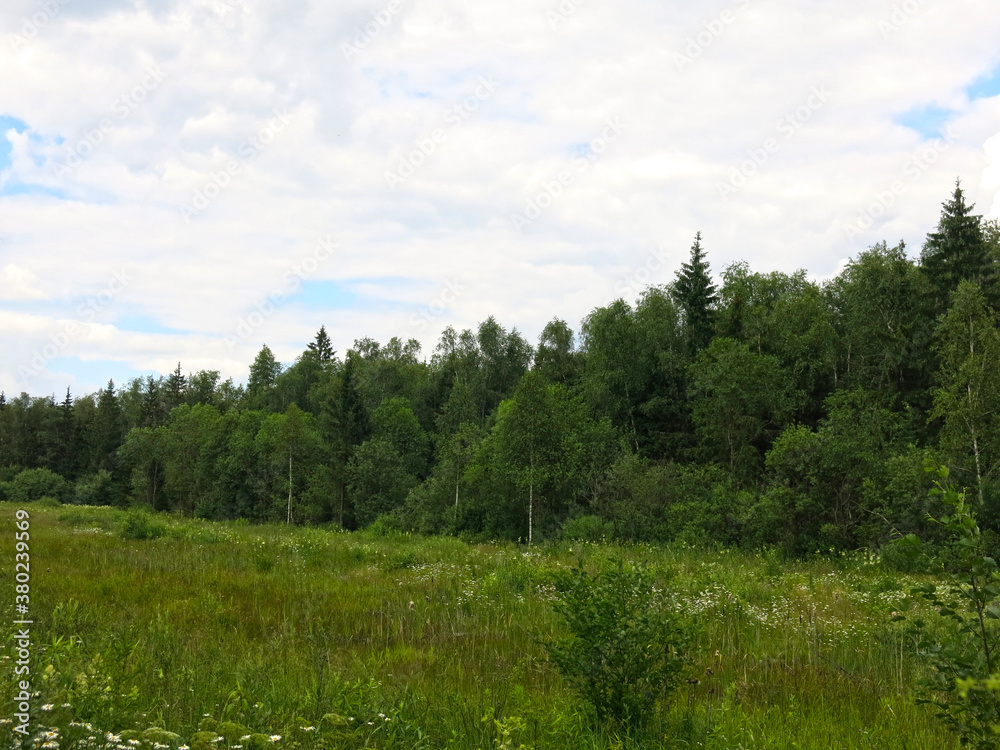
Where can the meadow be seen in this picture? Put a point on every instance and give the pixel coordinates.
(229, 635)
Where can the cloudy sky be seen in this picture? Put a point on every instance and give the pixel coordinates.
(189, 179)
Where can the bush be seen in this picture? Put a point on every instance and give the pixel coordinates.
(587, 529)
(96, 489)
(385, 526)
(962, 682)
(34, 484)
(627, 645)
(138, 524)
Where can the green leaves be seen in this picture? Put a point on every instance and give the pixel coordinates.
(963, 659)
(627, 646)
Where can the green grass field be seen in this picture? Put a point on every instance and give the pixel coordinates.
(335, 640)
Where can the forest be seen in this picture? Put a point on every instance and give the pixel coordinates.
(768, 411)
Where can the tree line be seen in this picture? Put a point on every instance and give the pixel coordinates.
(772, 410)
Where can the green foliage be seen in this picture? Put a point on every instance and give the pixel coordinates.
(138, 524)
(695, 293)
(967, 400)
(96, 489)
(33, 484)
(587, 529)
(958, 251)
(962, 656)
(742, 400)
(628, 644)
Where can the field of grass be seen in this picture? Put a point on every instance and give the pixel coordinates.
(229, 636)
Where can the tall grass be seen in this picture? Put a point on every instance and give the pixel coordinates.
(335, 640)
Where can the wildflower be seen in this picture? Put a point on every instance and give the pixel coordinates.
(308, 729)
(112, 738)
(133, 742)
(275, 737)
(244, 737)
(66, 705)
(48, 707)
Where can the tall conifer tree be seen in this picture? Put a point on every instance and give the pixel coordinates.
(958, 251)
(695, 293)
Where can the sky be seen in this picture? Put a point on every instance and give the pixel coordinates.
(187, 180)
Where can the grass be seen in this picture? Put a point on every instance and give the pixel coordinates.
(336, 640)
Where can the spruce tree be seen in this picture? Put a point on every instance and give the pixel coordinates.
(695, 293)
(174, 390)
(263, 373)
(321, 348)
(958, 251)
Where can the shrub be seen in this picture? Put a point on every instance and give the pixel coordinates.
(385, 526)
(138, 524)
(962, 655)
(627, 645)
(96, 489)
(33, 484)
(587, 529)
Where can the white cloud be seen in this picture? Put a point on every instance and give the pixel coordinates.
(19, 283)
(229, 67)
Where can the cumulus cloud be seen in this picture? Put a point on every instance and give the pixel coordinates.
(18, 283)
(205, 148)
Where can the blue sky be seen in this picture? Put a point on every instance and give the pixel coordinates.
(172, 164)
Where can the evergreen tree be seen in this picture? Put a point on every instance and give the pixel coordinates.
(958, 250)
(695, 293)
(321, 348)
(263, 373)
(65, 459)
(174, 389)
(106, 429)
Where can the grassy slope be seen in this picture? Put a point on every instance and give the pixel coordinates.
(412, 642)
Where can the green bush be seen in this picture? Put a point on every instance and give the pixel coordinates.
(627, 646)
(385, 526)
(962, 655)
(587, 529)
(96, 489)
(34, 484)
(138, 524)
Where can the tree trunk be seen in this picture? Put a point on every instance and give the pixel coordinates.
(289, 487)
(531, 510)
